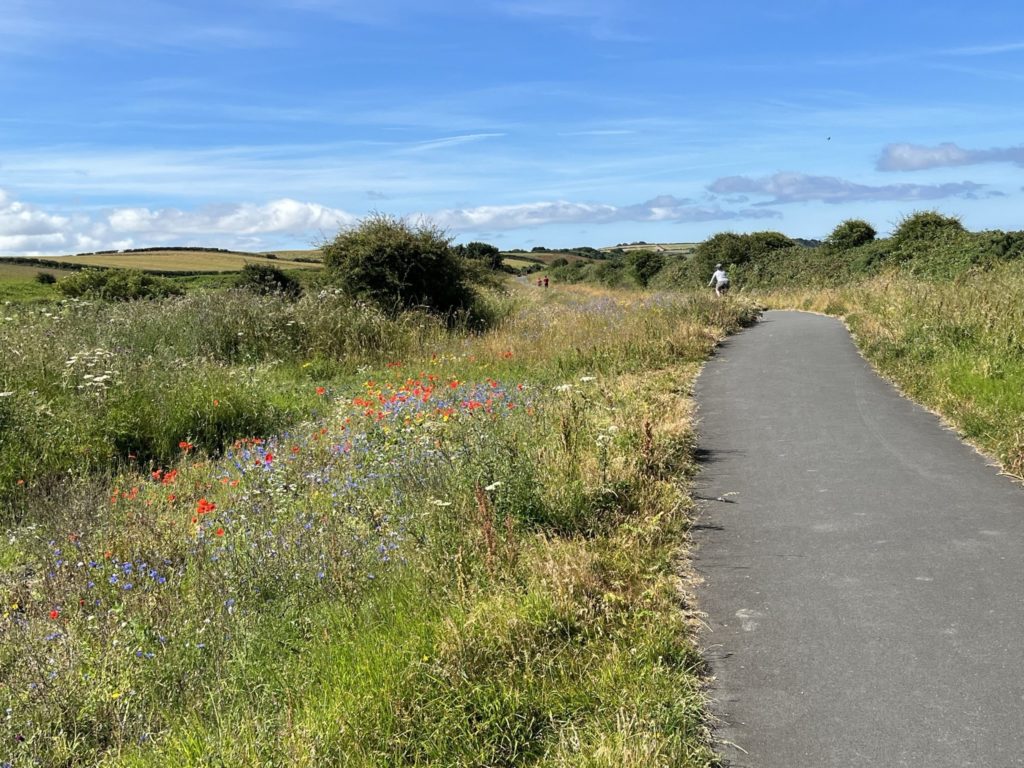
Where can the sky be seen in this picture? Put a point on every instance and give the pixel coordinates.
(272, 124)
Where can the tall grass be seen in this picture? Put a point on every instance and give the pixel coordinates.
(467, 558)
(88, 386)
(955, 345)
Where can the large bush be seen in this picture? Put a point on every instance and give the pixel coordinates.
(485, 253)
(644, 265)
(850, 234)
(398, 265)
(927, 226)
(265, 279)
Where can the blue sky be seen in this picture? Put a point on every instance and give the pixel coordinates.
(271, 123)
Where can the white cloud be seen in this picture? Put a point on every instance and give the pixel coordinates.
(914, 157)
(801, 188)
(277, 217)
(27, 230)
(664, 208)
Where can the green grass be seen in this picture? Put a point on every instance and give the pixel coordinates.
(310, 253)
(517, 263)
(466, 557)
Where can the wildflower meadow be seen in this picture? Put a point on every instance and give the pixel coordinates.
(246, 531)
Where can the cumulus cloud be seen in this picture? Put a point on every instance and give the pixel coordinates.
(27, 230)
(664, 208)
(914, 157)
(277, 217)
(802, 188)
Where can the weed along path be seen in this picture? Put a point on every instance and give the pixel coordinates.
(863, 569)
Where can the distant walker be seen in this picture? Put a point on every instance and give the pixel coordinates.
(720, 281)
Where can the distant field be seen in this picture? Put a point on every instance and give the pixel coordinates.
(517, 263)
(546, 257)
(20, 272)
(678, 248)
(183, 261)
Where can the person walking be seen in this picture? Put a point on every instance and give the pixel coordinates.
(720, 280)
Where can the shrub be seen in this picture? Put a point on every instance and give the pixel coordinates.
(851, 234)
(611, 272)
(927, 226)
(485, 253)
(396, 265)
(644, 265)
(45, 278)
(561, 261)
(734, 250)
(265, 279)
(117, 285)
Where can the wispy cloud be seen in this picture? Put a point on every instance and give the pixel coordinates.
(990, 49)
(603, 20)
(784, 188)
(664, 208)
(915, 157)
(450, 141)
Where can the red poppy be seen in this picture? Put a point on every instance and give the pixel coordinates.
(269, 458)
(321, 391)
(186, 446)
(219, 532)
(204, 506)
(54, 614)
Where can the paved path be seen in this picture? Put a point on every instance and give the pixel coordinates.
(864, 572)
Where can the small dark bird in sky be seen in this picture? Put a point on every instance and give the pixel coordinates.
(828, 138)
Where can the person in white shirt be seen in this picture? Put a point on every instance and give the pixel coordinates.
(719, 280)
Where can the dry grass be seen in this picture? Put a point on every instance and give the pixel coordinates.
(183, 261)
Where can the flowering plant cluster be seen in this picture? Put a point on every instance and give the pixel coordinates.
(191, 553)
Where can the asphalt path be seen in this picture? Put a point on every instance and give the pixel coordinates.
(863, 568)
